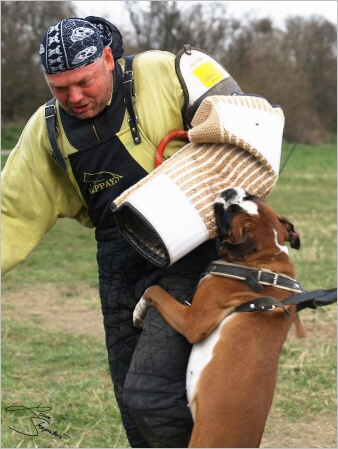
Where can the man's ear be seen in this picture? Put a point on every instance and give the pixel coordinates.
(108, 58)
(293, 236)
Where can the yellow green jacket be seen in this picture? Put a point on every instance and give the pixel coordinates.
(36, 191)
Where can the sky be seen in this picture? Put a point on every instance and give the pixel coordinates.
(276, 10)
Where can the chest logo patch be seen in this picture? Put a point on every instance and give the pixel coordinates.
(101, 180)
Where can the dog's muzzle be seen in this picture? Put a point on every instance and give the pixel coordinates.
(233, 195)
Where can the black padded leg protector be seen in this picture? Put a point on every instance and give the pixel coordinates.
(154, 390)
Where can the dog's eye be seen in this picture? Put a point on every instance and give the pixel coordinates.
(249, 197)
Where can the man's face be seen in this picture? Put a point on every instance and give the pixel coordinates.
(84, 92)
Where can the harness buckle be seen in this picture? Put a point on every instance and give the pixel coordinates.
(51, 113)
(128, 76)
(275, 279)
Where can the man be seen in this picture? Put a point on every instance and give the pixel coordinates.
(45, 180)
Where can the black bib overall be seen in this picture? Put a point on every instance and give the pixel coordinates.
(148, 368)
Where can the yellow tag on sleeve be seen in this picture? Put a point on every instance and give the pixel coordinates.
(208, 74)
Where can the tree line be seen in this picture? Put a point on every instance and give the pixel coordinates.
(294, 67)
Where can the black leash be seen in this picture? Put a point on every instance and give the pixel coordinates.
(313, 298)
(310, 299)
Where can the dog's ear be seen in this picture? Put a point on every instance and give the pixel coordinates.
(293, 236)
(220, 216)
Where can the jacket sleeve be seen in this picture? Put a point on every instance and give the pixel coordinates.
(35, 193)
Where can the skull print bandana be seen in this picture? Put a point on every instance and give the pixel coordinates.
(74, 43)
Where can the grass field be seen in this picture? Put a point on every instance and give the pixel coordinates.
(10, 135)
(53, 350)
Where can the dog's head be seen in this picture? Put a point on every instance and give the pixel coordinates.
(248, 225)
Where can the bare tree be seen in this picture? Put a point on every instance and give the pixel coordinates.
(288, 67)
(23, 25)
(171, 24)
(311, 45)
(292, 68)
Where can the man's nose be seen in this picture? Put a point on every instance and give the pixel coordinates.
(75, 94)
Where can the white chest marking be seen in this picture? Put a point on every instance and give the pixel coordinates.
(200, 356)
(250, 207)
(282, 248)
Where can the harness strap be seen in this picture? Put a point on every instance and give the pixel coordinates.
(307, 299)
(50, 116)
(254, 278)
(261, 304)
(313, 298)
(130, 98)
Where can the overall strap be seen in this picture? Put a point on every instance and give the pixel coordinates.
(130, 97)
(50, 116)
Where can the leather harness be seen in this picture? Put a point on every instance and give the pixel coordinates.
(256, 278)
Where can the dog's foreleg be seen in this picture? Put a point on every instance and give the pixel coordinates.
(140, 311)
(171, 310)
(195, 322)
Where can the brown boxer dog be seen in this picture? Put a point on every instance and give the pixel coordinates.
(236, 322)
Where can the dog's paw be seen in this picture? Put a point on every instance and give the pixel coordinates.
(140, 312)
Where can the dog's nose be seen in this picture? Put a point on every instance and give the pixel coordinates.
(229, 194)
(233, 195)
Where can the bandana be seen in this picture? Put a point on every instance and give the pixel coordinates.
(75, 43)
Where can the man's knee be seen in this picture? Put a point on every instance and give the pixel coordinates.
(162, 415)
(154, 390)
